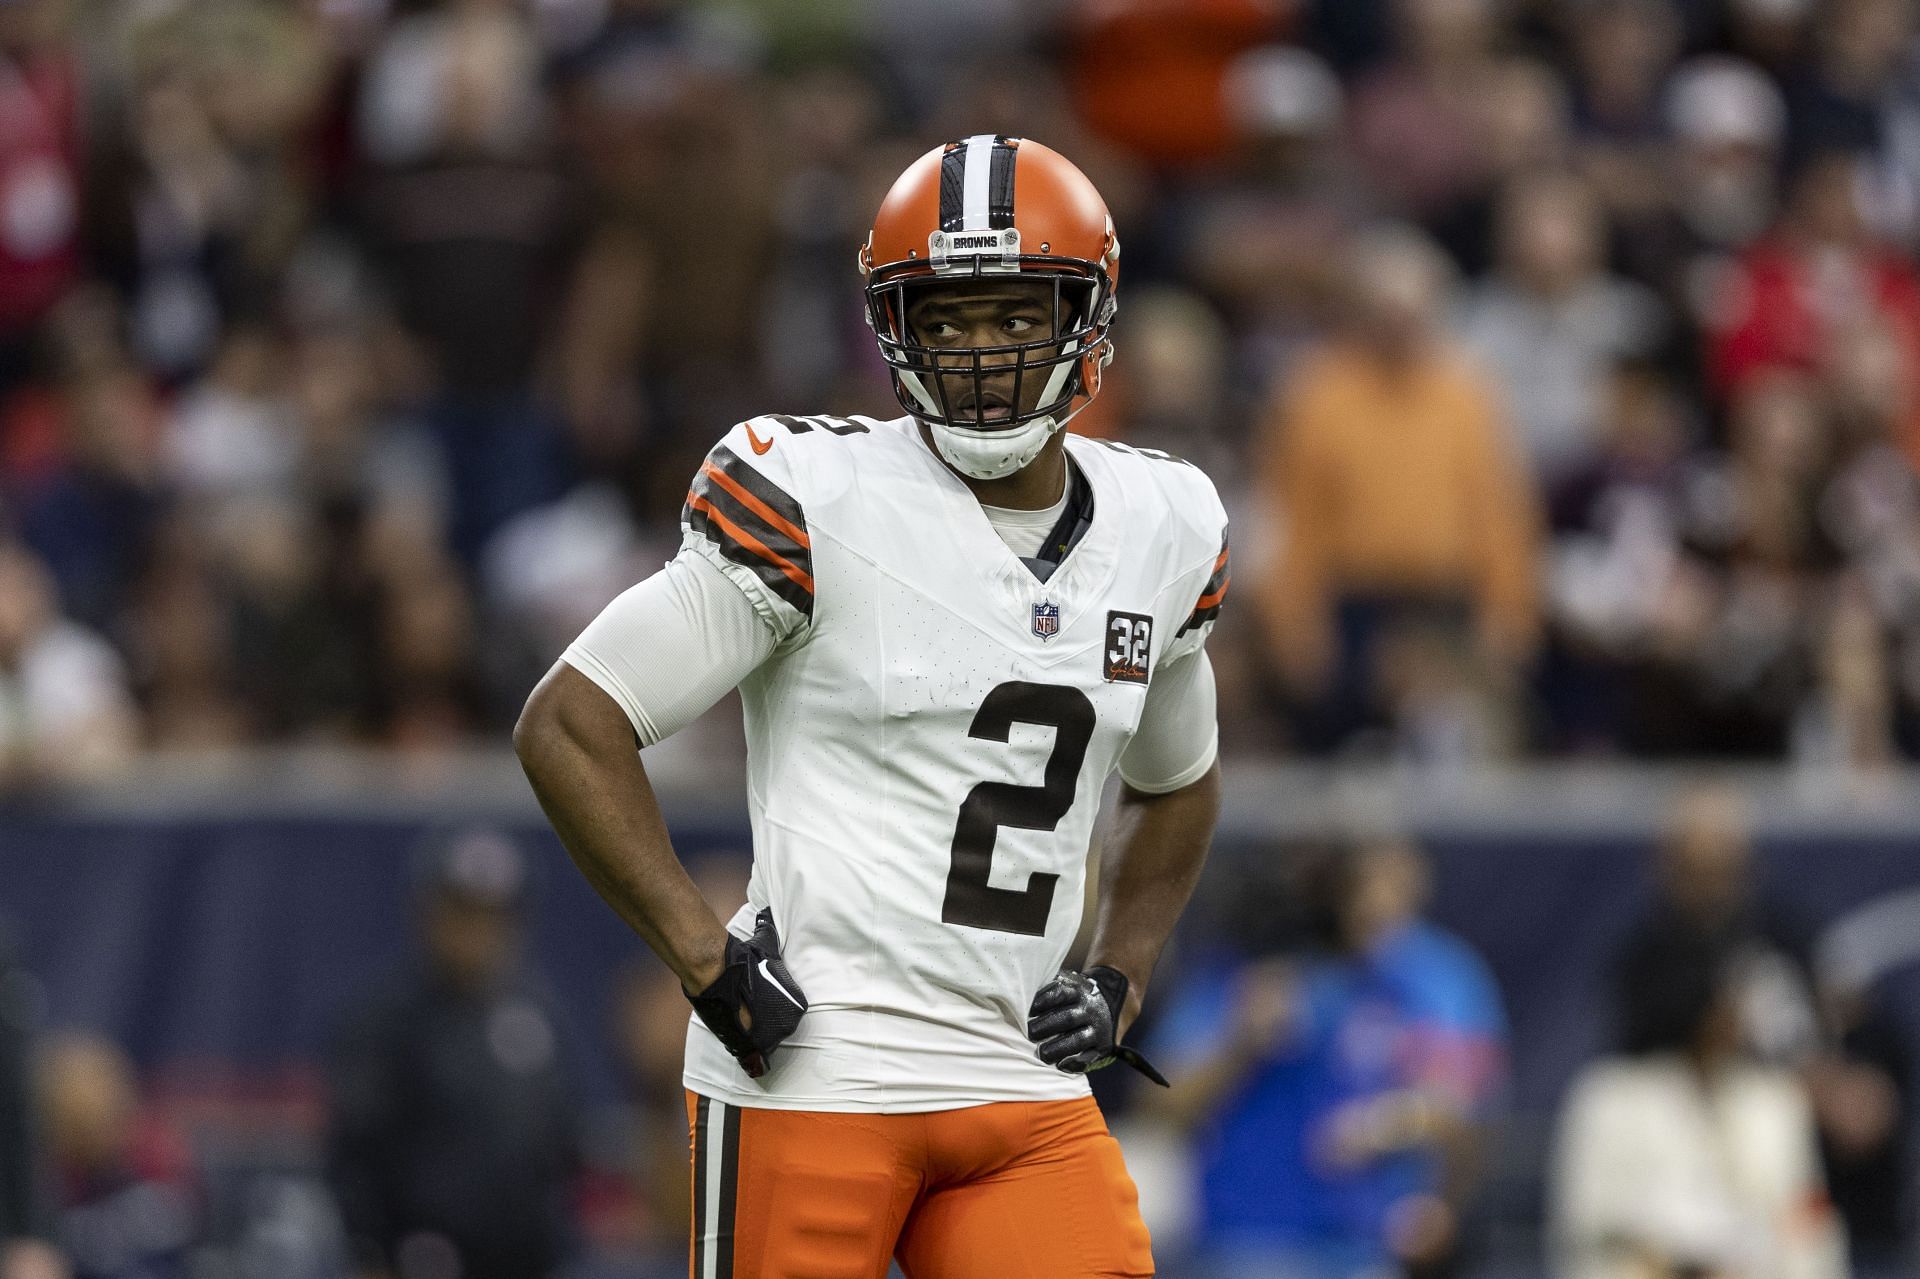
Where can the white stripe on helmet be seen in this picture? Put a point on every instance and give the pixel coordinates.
(977, 183)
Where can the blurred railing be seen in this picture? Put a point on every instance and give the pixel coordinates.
(1282, 800)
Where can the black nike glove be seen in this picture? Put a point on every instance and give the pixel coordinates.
(755, 981)
(1073, 1017)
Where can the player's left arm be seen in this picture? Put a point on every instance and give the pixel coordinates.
(1152, 860)
(1168, 802)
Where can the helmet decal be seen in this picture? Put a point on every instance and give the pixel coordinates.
(976, 183)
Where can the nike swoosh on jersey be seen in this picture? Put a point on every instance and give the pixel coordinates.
(767, 972)
(757, 444)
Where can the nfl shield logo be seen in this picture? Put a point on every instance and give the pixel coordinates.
(1046, 620)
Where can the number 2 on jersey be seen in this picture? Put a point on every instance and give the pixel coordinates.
(970, 899)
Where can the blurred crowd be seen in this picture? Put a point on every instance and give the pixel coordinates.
(1559, 362)
(1342, 1102)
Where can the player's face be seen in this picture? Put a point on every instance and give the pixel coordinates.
(988, 313)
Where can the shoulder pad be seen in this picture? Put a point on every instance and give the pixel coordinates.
(809, 453)
(1190, 496)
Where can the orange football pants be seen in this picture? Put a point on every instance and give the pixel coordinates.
(1013, 1190)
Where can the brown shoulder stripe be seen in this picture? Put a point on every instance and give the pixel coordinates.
(755, 523)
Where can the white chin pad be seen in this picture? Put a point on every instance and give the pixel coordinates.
(993, 455)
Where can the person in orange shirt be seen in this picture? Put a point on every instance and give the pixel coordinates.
(1409, 528)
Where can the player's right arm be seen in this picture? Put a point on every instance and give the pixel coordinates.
(653, 661)
(577, 747)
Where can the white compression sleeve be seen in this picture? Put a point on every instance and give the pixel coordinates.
(673, 645)
(1179, 734)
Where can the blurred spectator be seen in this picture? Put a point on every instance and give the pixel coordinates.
(1756, 549)
(26, 1247)
(1707, 187)
(1338, 1098)
(1417, 118)
(1551, 323)
(1184, 51)
(1407, 516)
(1705, 885)
(1615, 568)
(127, 1191)
(232, 434)
(1451, 117)
(468, 213)
(550, 571)
(1799, 292)
(428, 691)
(811, 340)
(1862, 1091)
(88, 496)
(196, 203)
(180, 639)
(1845, 725)
(1262, 238)
(1174, 393)
(41, 155)
(1621, 51)
(1680, 1157)
(1843, 1053)
(65, 712)
(1845, 97)
(304, 609)
(659, 345)
(453, 1131)
(1747, 603)
(1525, 126)
(1727, 121)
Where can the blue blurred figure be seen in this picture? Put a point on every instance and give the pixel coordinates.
(1337, 1099)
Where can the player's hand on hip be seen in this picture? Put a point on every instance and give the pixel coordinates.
(754, 1004)
(1073, 1018)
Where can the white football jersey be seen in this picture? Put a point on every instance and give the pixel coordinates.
(928, 744)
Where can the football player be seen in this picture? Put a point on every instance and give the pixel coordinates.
(947, 630)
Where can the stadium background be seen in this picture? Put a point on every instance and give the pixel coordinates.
(354, 352)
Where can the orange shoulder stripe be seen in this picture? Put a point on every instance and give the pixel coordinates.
(755, 505)
(793, 572)
(1210, 600)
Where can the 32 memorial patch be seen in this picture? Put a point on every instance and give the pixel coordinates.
(1129, 647)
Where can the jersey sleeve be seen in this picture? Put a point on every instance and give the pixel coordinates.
(1179, 735)
(1192, 635)
(673, 645)
(744, 515)
(1203, 526)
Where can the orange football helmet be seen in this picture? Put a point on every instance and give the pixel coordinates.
(984, 206)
